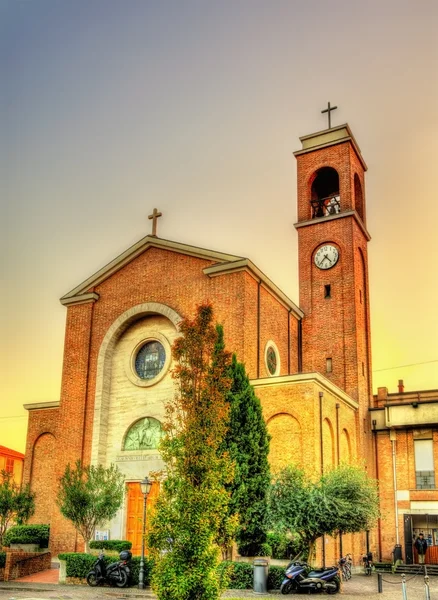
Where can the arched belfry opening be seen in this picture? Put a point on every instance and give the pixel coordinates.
(324, 193)
(358, 197)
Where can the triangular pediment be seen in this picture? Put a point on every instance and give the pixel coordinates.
(81, 291)
(222, 264)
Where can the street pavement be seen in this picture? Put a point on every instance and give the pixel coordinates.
(359, 587)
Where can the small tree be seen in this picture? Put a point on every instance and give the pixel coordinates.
(247, 441)
(191, 513)
(16, 505)
(90, 496)
(344, 499)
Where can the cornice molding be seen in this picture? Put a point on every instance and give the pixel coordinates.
(41, 405)
(342, 215)
(298, 378)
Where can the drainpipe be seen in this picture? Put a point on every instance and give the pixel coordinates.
(338, 449)
(376, 457)
(321, 441)
(393, 437)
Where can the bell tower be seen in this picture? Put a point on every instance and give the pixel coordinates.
(333, 262)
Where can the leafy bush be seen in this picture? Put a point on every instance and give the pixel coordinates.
(285, 547)
(79, 564)
(2, 559)
(115, 545)
(241, 575)
(275, 577)
(27, 534)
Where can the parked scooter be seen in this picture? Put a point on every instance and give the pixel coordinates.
(300, 577)
(116, 573)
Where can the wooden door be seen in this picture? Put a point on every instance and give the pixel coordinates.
(134, 513)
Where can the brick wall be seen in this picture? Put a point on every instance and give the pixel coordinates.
(19, 564)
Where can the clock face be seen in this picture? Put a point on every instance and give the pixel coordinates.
(326, 257)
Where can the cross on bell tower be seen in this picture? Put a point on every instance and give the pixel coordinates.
(328, 110)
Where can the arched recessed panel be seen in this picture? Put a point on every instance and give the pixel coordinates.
(43, 479)
(144, 434)
(358, 197)
(328, 440)
(286, 441)
(345, 446)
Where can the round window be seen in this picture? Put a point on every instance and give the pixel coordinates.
(150, 360)
(271, 360)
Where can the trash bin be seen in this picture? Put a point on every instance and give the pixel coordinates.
(261, 569)
(397, 553)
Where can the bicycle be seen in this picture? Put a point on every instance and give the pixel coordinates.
(345, 567)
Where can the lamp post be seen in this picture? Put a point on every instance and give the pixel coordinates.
(145, 487)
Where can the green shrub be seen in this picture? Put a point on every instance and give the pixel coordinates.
(79, 564)
(27, 534)
(240, 574)
(283, 547)
(275, 577)
(115, 545)
(2, 559)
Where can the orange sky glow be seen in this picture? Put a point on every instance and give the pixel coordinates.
(111, 109)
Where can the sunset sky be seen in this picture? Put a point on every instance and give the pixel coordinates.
(109, 109)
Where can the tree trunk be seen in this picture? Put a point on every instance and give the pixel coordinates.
(312, 551)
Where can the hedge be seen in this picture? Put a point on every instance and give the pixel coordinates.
(27, 534)
(115, 545)
(79, 565)
(240, 575)
(2, 559)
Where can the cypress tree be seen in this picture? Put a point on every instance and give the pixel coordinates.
(247, 441)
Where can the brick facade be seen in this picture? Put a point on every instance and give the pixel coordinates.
(316, 418)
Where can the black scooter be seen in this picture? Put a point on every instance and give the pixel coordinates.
(117, 573)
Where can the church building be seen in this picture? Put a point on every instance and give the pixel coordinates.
(310, 364)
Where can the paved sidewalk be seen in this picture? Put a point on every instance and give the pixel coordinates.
(359, 587)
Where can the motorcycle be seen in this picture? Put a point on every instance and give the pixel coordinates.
(117, 573)
(300, 577)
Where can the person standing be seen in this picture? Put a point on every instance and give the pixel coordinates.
(421, 546)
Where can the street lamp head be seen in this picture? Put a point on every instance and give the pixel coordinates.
(145, 486)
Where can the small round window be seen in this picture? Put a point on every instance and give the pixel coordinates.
(150, 360)
(271, 360)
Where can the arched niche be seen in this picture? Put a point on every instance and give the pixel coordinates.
(122, 326)
(345, 446)
(358, 197)
(328, 440)
(324, 193)
(286, 445)
(43, 478)
(144, 434)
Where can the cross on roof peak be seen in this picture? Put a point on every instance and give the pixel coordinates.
(154, 216)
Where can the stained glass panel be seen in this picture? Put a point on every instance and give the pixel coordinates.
(150, 360)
